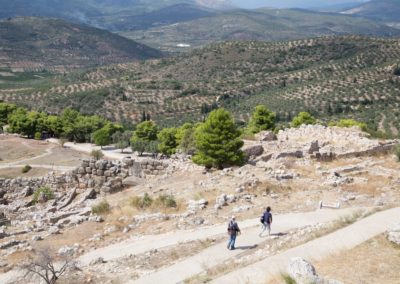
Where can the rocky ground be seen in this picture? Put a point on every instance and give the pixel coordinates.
(292, 172)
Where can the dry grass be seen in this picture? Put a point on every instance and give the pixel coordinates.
(13, 148)
(62, 157)
(17, 172)
(372, 187)
(376, 261)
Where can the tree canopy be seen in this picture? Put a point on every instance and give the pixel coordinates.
(303, 118)
(262, 119)
(168, 141)
(217, 141)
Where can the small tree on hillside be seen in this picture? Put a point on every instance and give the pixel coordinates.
(138, 146)
(97, 154)
(217, 141)
(168, 141)
(303, 118)
(188, 142)
(101, 137)
(146, 131)
(121, 139)
(262, 119)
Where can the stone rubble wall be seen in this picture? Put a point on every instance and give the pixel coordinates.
(322, 143)
(102, 175)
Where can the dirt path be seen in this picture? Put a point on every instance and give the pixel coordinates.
(249, 239)
(210, 256)
(250, 236)
(109, 152)
(342, 239)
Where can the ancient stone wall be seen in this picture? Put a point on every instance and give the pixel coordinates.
(102, 175)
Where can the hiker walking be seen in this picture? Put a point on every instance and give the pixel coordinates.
(233, 231)
(266, 221)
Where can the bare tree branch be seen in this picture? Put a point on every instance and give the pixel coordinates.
(46, 266)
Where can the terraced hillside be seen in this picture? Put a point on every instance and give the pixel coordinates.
(331, 77)
(33, 44)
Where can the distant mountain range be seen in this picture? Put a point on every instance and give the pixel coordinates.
(260, 24)
(304, 4)
(172, 25)
(31, 43)
(100, 13)
(379, 10)
(125, 15)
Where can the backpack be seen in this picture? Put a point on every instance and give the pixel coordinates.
(232, 228)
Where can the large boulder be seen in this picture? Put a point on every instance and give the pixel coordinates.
(253, 151)
(131, 181)
(314, 147)
(220, 201)
(266, 136)
(302, 271)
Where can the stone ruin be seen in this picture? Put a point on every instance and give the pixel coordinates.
(317, 142)
(74, 194)
(103, 176)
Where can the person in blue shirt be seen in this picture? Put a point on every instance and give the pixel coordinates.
(266, 220)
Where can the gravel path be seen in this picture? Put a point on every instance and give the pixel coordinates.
(343, 239)
(108, 151)
(210, 256)
(247, 240)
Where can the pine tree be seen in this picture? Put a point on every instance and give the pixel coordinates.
(262, 119)
(217, 141)
(303, 118)
(168, 141)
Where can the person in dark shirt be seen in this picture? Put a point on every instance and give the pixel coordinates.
(266, 220)
(233, 231)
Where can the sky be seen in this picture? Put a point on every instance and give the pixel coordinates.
(290, 3)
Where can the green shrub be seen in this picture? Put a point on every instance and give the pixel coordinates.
(303, 118)
(397, 151)
(97, 154)
(38, 136)
(287, 279)
(141, 202)
(47, 191)
(26, 169)
(347, 123)
(166, 201)
(103, 207)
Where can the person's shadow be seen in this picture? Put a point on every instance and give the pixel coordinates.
(247, 247)
(273, 235)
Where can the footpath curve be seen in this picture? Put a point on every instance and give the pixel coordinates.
(249, 239)
(343, 239)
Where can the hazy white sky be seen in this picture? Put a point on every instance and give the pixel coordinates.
(290, 3)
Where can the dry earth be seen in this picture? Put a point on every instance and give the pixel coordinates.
(288, 184)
